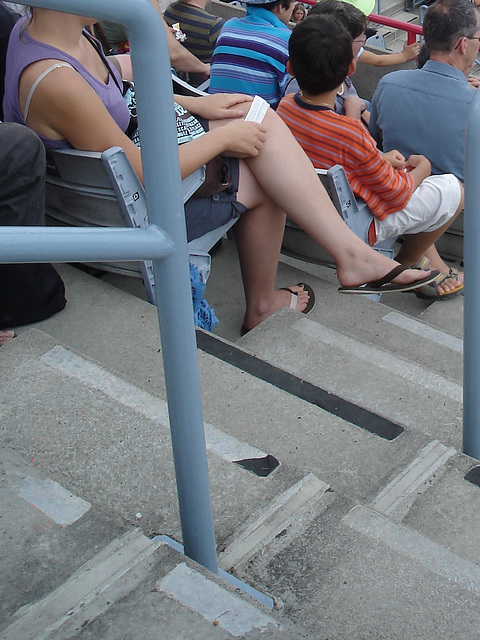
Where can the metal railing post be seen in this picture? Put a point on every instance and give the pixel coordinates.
(471, 358)
(151, 65)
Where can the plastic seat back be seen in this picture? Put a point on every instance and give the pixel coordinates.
(87, 188)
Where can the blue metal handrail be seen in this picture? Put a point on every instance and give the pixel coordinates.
(471, 234)
(164, 242)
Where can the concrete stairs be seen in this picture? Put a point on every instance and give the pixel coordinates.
(366, 528)
(394, 38)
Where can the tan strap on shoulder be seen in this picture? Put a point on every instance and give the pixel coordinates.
(37, 82)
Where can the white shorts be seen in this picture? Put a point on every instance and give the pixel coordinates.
(433, 203)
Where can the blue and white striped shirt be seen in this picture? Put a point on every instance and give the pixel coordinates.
(250, 56)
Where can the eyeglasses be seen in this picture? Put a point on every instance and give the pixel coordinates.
(468, 38)
(361, 40)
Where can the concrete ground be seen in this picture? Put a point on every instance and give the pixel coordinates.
(366, 527)
(342, 503)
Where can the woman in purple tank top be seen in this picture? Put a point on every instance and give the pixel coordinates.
(78, 103)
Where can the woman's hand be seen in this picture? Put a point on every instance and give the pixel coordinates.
(237, 139)
(220, 105)
(242, 139)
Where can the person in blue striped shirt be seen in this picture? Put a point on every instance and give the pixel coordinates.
(251, 53)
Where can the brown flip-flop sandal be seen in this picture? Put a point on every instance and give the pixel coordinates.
(293, 302)
(385, 284)
(293, 297)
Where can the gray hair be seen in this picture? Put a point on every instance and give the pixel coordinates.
(446, 21)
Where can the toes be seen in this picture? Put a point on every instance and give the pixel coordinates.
(302, 300)
(450, 284)
(6, 336)
(297, 288)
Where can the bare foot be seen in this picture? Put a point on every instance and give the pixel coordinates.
(450, 284)
(279, 298)
(436, 262)
(357, 270)
(6, 336)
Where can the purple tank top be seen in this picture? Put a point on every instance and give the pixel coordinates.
(23, 50)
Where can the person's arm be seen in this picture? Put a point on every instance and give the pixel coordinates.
(64, 106)
(216, 106)
(237, 139)
(396, 159)
(356, 108)
(57, 112)
(180, 57)
(384, 188)
(409, 52)
(419, 168)
(123, 62)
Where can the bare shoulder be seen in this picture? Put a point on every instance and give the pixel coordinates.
(35, 70)
(59, 101)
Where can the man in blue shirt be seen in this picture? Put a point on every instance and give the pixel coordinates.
(251, 53)
(425, 110)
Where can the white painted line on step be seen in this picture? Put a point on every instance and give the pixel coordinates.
(90, 591)
(425, 331)
(272, 521)
(52, 499)
(381, 359)
(148, 405)
(214, 603)
(418, 548)
(433, 456)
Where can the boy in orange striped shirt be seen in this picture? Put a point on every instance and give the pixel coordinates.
(402, 195)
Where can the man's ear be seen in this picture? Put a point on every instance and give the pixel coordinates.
(289, 67)
(462, 45)
(352, 67)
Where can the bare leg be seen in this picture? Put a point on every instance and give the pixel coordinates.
(436, 262)
(259, 234)
(288, 179)
(423, 244)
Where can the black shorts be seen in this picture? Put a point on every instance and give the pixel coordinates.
(205, 214)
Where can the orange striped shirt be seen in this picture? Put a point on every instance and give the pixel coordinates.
(328, 139)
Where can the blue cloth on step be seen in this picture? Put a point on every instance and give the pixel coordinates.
(204, 316)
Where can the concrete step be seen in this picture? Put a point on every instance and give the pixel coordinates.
(370, 484)
(395, 38)
(382, 574)
(131, 586)
(389, 7)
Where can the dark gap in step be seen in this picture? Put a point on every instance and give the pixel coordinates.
(259, 466)
(92, 271)
(473, 476)
(335, 405)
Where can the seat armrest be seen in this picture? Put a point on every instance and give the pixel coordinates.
(184, 89)
(354, 212)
